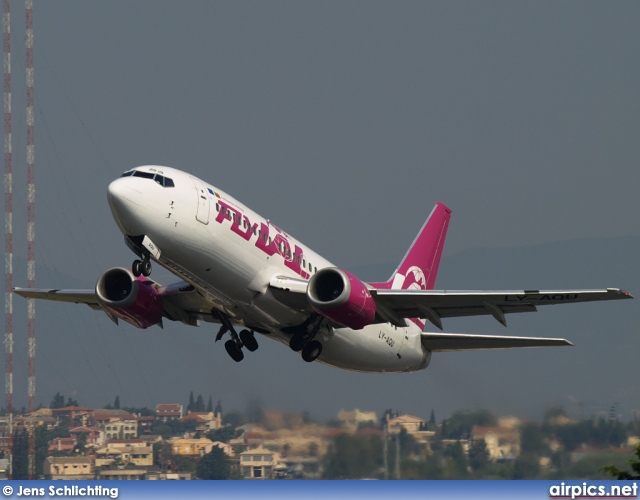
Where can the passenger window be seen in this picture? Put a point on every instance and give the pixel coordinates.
(217, 207)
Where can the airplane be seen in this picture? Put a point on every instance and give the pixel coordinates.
(241, 271)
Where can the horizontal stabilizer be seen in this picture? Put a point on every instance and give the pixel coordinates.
(440, 342)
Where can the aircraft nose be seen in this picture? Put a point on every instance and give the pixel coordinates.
(123, 201)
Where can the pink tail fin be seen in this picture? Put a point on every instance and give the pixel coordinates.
(419, 267)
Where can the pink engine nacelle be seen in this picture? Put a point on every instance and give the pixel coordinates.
(341, 297)
(134, 300)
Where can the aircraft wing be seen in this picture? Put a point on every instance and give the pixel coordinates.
(180, 301)
(437, 304)
(443, 342)
(75, 296)
(393, 305)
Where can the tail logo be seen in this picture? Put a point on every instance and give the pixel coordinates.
(414, 279)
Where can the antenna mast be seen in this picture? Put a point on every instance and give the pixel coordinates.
(8, 231)
(31, 225)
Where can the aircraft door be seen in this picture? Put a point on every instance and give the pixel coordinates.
(202, 213)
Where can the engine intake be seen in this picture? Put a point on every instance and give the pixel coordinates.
(341, 297)
(134, 300)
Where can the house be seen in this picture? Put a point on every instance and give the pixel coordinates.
(205, 420)
(188, 447)
(503, 442)
(71, 412)
(62, 444)
(409, 423)
(139, 455)
(102, 417)
(353, 419)
(93, 435)
(227, 448)
(67, 468)
(166, 412)
(121, 429)
(258, 463)
(145, 424)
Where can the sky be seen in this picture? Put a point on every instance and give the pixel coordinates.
(342, 122)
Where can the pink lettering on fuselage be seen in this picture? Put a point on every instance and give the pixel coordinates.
(271, 245)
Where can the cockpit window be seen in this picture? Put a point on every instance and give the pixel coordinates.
(160, 179)
(146, 175)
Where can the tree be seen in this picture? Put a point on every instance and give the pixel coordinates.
(213, 465)
(21, 454)
(623, 474)
(57, 401)
(458, 460)
(191, 402)
(116, 403)
(42, 447)
(224, 434)
(478, 455)
(210, 404)
(199, 406)
(353, 457)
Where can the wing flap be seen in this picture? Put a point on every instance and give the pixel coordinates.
(443, 342)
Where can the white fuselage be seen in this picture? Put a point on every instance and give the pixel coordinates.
(230, 254)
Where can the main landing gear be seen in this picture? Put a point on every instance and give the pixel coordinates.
(237, 342)
(141, 267)
(304, 341)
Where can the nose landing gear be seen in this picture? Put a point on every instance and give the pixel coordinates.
(141, 267)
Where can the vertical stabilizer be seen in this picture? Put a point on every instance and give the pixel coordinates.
(419, 267)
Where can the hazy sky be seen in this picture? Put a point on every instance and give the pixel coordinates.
(343, 122)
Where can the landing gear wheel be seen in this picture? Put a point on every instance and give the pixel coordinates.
(234, 351)
(297, 342)
(146, 268)
(311, 351)
(136, 268)
(248, 340)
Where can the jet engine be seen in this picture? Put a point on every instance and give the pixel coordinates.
(341, 297)
(134, 300)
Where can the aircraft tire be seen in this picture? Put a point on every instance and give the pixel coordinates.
(146, 268)
(136, 268)
(233, 351)
(296, 343)
(311, 351)
(248, 340)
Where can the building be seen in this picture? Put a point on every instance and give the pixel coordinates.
(409, 423)
(188, 447)
(65, 445)
(205, 420)
(67, 468)
(258, 463)
(121, 429)
(93, 435)
(139, 455)
(100, 418)
(353, 419)
(503, 442)
(169, 412)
